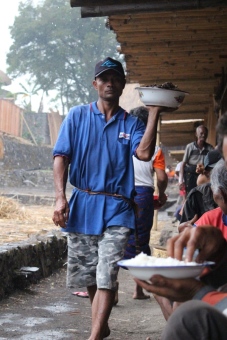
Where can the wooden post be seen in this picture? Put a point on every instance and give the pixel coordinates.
(33, 138)
(155, 219)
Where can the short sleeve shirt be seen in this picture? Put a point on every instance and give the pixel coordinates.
(144, 170)
(159, 160)
(194, 155)
(215, 218)
(100, 155)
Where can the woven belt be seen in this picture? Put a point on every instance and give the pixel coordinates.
(127, 200)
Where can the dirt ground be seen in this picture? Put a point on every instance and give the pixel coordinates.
(48, 310)
(29, 220)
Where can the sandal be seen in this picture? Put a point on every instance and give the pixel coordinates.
(81, 294)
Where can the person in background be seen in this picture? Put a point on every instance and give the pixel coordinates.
(217, 217)
(195, 153)
(144, 186)
(204, 317)
(181, 198)
(177, 169)
(96, 143)
(200, 199)
(170, 174)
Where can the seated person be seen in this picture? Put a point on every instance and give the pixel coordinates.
(207, 321)
(204, 316)
(216, 217)
(200, 199)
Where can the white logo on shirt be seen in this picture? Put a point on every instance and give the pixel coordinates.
(124, 135)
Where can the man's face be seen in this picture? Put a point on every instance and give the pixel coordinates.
(221, 201)
(201, 134)
(109, 85)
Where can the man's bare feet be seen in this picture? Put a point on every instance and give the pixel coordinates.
(116, 295)
(139, 294)
(106, 332)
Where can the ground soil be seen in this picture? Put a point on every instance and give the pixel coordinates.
(36, 219)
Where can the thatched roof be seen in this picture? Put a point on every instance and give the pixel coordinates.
(4, 79)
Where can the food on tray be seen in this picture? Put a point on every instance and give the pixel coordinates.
(166, 86)
(145, 260)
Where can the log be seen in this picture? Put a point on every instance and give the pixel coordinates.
(158, 6)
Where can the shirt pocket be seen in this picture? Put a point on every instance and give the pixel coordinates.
(122, 154)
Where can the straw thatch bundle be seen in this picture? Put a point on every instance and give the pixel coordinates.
(10, 209)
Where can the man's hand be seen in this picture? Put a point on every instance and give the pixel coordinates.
(61, 212)
(207, 239)
(179, 290)
(162, 198)
(182, 185)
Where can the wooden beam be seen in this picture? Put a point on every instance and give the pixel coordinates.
(176, 47)
(172, 60)
(85, 3)
(195, 13)
(135, 7)
(164, 37)
(152, 75)
(182, 116)
(186, 25)
(214, 18)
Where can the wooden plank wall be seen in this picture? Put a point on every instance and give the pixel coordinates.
(54, 120)
(10, 118)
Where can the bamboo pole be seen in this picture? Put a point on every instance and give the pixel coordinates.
(33, 138)
(155, 219)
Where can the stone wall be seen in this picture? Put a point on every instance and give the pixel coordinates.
(36, 127)
(37, 179)
(18, 154)
(23, 164)
(46, 255)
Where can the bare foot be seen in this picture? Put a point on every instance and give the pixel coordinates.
(106, 333)
(116, 295)
(141, 296)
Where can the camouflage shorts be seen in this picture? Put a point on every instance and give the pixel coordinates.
(92, 259)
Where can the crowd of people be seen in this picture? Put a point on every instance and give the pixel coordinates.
(111, 158)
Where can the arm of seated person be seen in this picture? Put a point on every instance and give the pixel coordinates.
(188, 224)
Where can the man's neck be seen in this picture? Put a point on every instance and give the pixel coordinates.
(108, 108)
(201, 144)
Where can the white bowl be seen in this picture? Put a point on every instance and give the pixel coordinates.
(172, 272)
(161, 97)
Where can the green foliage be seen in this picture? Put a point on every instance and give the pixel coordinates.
(58, 49)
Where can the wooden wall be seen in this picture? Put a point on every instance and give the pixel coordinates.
(10, 118)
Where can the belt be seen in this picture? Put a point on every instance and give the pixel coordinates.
(129, 201)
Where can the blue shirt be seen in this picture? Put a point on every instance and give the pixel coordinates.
(100, 155)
